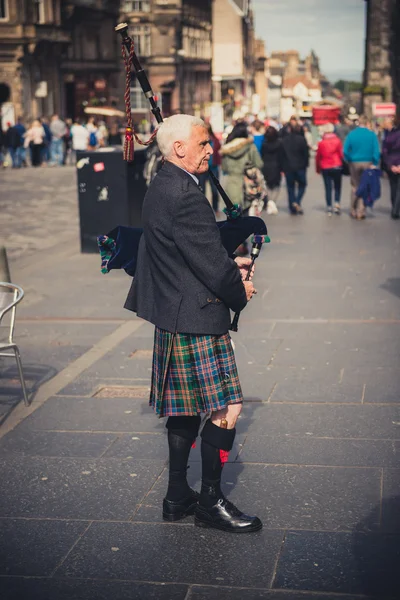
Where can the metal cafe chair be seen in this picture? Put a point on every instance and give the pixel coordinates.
(7, 291)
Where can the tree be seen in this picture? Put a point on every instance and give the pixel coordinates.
(348, 86)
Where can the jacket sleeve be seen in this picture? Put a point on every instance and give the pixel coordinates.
(318, 159)
(385, 151)
(340, 149)
(224, 163)
(347, 148)
(197, 237)
(306, 152)
(255, 157)
(376, 153)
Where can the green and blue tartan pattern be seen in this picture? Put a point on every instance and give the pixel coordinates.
(193, 374)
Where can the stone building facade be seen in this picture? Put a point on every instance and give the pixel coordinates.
(235, 57)
(173, 43)
(57, 55)
(382, 53)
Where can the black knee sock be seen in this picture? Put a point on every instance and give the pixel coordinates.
(182, 431)
(214, 439)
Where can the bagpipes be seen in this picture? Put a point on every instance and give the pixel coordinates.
(119, 248)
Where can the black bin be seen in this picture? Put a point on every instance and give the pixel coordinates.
(110, 192)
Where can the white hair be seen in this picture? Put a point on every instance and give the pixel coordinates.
(327, 128)
(176, 128)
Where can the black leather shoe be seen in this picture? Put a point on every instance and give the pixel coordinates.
(175, 511)
(225, 516)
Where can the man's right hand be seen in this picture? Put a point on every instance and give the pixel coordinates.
(250, 289)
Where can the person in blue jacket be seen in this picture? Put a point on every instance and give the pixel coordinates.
(361, 151)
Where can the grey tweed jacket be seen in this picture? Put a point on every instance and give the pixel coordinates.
(185, 281)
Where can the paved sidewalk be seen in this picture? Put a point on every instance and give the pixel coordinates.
(317, 457)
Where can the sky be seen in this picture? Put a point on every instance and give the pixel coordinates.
(334, 29)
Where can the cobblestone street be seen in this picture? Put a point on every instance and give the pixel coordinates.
(39, 209)
(317, 457)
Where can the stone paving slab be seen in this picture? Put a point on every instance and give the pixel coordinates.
(94, 414)
(86, 589)
(315, 391)
(308, 450)
(155, 446)
(298, 497)
(30, 547)
(220, 593)
(154, 553)
(391, 501)
(323, 420)
(345, 562)
(66, 488)
(56, 444)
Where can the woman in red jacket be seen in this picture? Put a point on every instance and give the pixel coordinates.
(329, 161)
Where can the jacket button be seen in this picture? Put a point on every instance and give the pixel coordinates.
(209, 300)
(217, 300)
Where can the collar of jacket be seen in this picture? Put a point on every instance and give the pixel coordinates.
(169, 167)
(235, 145)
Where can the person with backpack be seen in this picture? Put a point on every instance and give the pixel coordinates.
(239, 159)
(92, 128)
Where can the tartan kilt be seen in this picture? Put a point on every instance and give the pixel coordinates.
(193, 374)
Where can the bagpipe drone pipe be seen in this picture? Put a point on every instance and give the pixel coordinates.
(119, 247)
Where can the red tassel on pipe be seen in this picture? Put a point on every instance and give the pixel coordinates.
(128, 145)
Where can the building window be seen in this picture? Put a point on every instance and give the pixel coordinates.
(136, 6)
(40, 16)
(141, 35)
(139, 102)
(4, 10)
(196, 43)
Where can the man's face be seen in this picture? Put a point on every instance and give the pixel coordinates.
(195, 152)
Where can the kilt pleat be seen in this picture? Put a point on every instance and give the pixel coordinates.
(193, 374)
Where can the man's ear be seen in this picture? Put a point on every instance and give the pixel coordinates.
(179, 149)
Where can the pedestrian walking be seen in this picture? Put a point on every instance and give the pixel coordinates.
(270, 153)
(185, 284)
(34, 139)
(45, 152)
(80, 138)
(294, 160)
(214, 164)
(58, 130)
(257, 130)
(114, 138)
(67, 143)
(328, 162)
(13, 142)
(391, 162)
(361, 151)
(238, 154)
(93, 130)
(21, 152)
(343, 128)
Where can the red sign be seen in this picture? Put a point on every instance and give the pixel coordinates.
(383, 109)
(325, 113)
(98, 167)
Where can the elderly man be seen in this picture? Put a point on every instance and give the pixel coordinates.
(185, 284)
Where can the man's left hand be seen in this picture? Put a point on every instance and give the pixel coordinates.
(244, 264)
